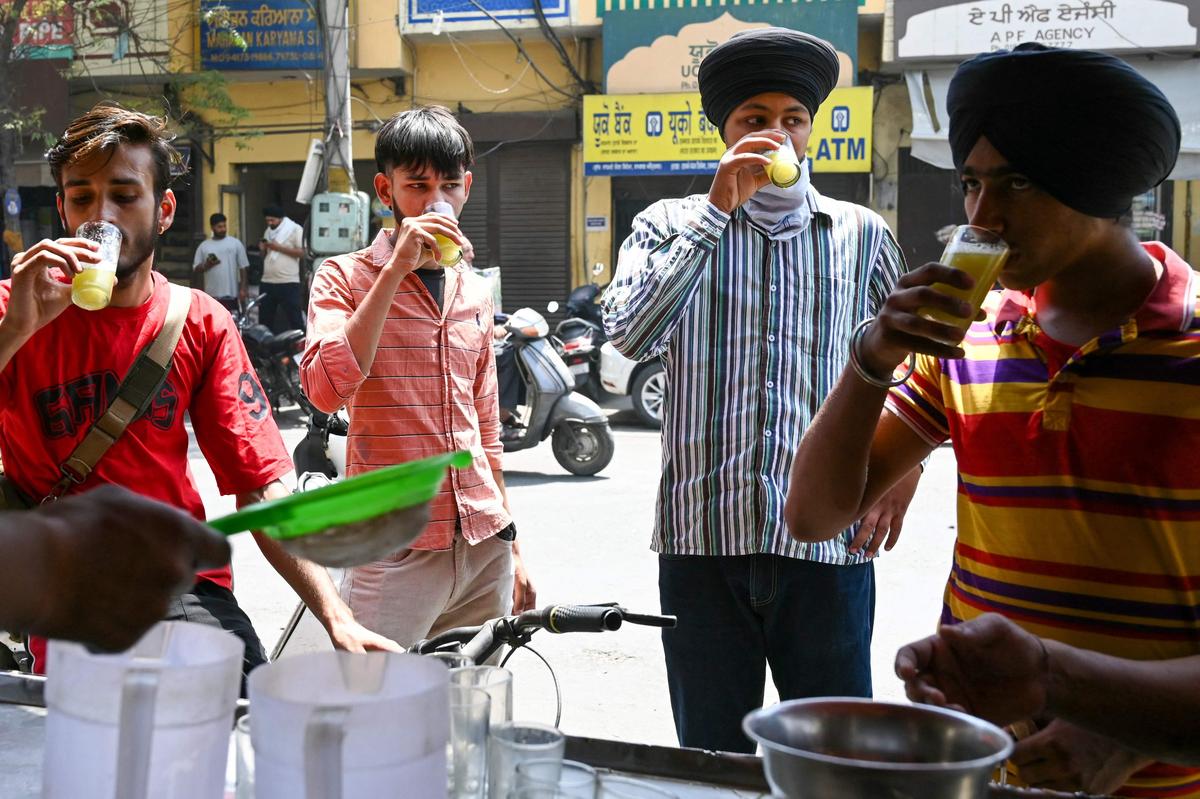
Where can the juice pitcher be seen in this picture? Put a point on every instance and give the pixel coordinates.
(329, 725)
(153, 721)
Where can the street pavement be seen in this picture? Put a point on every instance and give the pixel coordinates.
(587, 540)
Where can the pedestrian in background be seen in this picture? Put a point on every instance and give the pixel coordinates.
(282, 246)
(222, 263)
(751, 291)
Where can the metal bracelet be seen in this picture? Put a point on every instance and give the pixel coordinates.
(860, 370)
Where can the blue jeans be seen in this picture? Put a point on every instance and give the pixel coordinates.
(810, 621)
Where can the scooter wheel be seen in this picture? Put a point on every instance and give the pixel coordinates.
(583, 448)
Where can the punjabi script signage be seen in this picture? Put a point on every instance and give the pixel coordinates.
(965, 29)
(659, 134)
(252, 34)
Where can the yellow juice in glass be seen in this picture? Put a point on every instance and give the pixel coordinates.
(92, 288)
(784, 170)
(982, 261)
(451, 252)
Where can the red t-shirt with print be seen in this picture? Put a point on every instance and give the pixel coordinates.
(66, 374)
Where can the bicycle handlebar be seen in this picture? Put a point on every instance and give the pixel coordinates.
(481, 642)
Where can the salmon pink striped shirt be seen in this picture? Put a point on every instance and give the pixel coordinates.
(431, 389)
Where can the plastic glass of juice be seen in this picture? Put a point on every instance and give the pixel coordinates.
(451, 252)
(784, 169)
(92, 288)
(981, 254)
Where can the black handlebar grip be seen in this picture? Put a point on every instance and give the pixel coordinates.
(581, 619)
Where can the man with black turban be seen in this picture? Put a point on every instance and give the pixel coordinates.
(1070, 402)
(750, 291)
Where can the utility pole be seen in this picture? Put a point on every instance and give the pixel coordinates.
(338, 125)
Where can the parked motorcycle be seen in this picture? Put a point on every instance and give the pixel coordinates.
(276, 359)
(579, 434)
(582, 334)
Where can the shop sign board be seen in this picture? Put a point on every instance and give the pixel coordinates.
(930, 29)
(426, 12)
(46, 30)
(664, 134)
(280, 35)
(659, 49)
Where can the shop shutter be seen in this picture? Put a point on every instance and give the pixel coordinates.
(518, 218)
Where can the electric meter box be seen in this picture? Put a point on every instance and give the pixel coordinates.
(339, 222)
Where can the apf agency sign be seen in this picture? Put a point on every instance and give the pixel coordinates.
(927, 29)
(662, 134)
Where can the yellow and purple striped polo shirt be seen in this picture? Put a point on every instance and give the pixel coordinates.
(1078, 487)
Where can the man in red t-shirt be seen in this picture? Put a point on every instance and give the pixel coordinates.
(60, 365)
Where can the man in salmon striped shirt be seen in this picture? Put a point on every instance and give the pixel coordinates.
(406, 345)
(1071, 402)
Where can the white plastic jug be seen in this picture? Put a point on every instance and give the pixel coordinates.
(153, 721)
(329, 725)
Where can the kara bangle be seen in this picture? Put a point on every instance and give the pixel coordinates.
(860, 370)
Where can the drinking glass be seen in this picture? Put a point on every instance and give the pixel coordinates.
(92, 288)
(624, 788)
(244, 753)
(981, 254)
(452, 660)
(496, 681)
(451, 252)
(513, 742)
(569, 778)
(466, 756)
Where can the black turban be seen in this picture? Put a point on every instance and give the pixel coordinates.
(1084, 126)
(274, 211)
(766, 60)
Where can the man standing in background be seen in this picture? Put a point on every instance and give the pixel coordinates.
(282, 246)
(222, 262)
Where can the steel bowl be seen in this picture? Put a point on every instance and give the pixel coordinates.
(850, 748)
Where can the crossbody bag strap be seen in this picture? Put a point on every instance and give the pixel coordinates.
(134, 396)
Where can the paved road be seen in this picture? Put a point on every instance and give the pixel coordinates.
(586, 540)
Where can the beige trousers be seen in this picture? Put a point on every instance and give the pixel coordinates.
(417, 593)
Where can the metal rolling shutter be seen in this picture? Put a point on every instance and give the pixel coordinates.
(518, 218)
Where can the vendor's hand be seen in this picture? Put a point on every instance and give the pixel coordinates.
(350, 636)
(265, 246)
(39, 294)
(415, 244)
(899, 329)
(987, 666)
(1064, 757)
(742, 170)
(112, 561)
(884, 520)
(524, 594)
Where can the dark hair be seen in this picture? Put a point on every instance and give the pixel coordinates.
(106, 127)
(215, 218)
(426, 136)
(273, 211)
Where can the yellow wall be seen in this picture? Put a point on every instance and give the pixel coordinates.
(893, 122)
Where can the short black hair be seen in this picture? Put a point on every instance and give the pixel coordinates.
(216, 218)
(426, 136)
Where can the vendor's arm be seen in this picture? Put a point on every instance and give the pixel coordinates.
(100, 568)
(311, 583)
(992, 668)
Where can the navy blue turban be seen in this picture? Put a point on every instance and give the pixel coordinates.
(1085, 127)
(766, 60)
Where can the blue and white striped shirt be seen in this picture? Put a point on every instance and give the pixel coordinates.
(754, 334)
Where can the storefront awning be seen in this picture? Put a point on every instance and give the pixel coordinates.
(1178, 79)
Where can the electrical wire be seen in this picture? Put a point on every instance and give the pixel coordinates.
(522, 49)
(584, 86)
(475, 78)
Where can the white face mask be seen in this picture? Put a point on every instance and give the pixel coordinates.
(782, 213)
